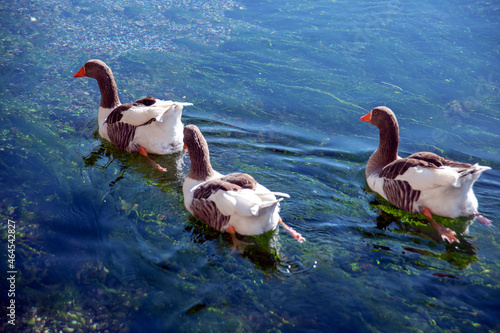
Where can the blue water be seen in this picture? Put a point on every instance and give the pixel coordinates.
(104, 242)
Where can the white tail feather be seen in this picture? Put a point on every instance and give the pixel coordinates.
(278, 194)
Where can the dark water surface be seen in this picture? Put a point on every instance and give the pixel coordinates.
(103, 242)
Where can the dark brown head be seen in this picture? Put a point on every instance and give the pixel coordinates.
(382, 117)
(95, 69)
(98, 70)
(197, 146)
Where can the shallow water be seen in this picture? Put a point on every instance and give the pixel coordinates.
(104, 242)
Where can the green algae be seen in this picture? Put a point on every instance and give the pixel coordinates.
(461, 255)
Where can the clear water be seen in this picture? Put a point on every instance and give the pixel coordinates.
(104, 242)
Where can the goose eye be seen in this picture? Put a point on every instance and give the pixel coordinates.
(374, 112)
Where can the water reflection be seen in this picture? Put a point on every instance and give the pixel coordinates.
(263, 250)
(101, 155)
(390, 219)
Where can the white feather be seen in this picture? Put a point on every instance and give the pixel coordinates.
(163, 136)
(267, 192)
(421, 178)
(138, 115)
(242, 202)
(251, 212)
(444, 190)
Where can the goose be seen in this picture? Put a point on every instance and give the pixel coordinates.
(423, 182)
(147, 125)
(233, 203)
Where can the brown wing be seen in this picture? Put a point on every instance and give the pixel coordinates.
(400, 192)
(117, 114)
(147, 101)
(231, 182)
(422, 159)
(242, 180)
(399, 167)
(438, 161)
(121, 134)
(206, 189)
(206, 210)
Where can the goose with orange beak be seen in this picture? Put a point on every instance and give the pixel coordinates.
(146, 125)
(423, 182)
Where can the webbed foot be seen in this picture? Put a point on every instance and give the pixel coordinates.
(238, 245)
(292, 232)
(155, 165)
(482, 219)
(446, 233)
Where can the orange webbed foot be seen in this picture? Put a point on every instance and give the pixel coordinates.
(446, 233)
(155, 165)
(238, 245)
(292, 232)
(482, 219)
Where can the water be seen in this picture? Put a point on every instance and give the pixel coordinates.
(104, 242)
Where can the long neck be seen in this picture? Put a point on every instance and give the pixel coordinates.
(201, 169)
(109, 95)
(387, 151)
(109, 91)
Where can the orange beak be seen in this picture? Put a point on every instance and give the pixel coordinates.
(367, 117)
(185, 147)
(81, 72)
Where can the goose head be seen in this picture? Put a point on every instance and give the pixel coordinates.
(98, 70)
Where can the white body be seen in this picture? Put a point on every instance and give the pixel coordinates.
(163, 136)
(444, 190)
(251, 212)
